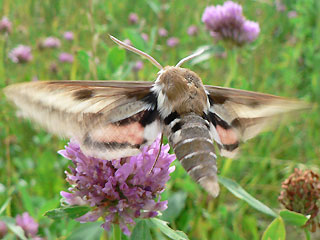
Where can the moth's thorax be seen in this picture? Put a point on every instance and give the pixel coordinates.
(182, 90)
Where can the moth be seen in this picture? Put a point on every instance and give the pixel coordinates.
(114, 119)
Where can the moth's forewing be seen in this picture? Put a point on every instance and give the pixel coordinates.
(110, 119)
(240, 115)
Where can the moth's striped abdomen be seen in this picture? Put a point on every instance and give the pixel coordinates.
(190, 138)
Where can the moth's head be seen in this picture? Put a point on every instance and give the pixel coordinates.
(178, 78)
(183, 89)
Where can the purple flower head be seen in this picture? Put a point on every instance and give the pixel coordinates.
(3, 229)
(51, 42)
(251, 30)
(192, 30)
(292, 14)
(118, 190)
(173, 41)
(145, 36)
(66, 57)
(163, 32)
(127, 41)
(5, 25)
(280, 6)
(29, 226)
(20, 54)
(137, 66)
(68, 36)
(227, 22)
(133, 18)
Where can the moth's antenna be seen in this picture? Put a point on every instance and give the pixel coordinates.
(137, 51)
(182, 61)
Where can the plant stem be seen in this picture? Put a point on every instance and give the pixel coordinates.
(307, 233)
(116, 232)
(3, 46)
(233, 66)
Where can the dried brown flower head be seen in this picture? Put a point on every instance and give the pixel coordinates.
(301, 193)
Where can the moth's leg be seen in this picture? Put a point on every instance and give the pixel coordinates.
(155, 162)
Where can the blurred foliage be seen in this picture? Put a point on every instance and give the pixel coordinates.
(285, 61)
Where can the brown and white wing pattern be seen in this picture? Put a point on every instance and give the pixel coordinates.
(238, 115)
(110, 119)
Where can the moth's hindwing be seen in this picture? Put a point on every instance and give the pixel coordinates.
(238, 115)
(124, 137)
(110, 119)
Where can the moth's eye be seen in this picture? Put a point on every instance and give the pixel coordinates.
(192, 79)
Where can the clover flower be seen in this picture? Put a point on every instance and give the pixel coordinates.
(301, 193)
(173, 41)
(20, 54)
(227, 22)
(3, 229)
(133, 18)
(66, 57)
(280, 6)
(68, 36)
(137, 66)
(5, 25)
(51, 42)
(145, 37)
(192, 30)
(163, 32)
(28, 224)
(292, 14)
(118, 190)
(127, 41)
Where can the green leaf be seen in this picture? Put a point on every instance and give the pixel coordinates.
(208, 52)
(136, 39)
(240, 193)
(26, 200)
(47, 206)
(275, 231)
(71, 212)
(88, 231)
(155, 5)
(116, 57)
(5, 205)
(152, 39)
(17, 230)
(251, 223)
(83, 58)
(176, 204)
(293, 218)
(165, 229)
(141, 231)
